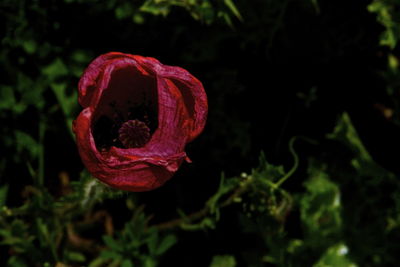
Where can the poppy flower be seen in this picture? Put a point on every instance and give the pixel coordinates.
(138, 116)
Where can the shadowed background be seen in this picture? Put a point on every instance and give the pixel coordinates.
(272, 70)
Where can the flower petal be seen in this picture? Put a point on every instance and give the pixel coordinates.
(182, 110)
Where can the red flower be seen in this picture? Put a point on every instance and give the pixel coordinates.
(138, 116)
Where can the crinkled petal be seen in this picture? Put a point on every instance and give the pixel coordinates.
(182, 111)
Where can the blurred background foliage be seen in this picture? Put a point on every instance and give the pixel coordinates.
(298, 164)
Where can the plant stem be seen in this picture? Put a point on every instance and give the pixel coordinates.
(204, 211)
(295, 164)
(295, 158)
(42, 129)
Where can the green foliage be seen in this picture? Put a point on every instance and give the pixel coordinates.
(8, 101)
(328, 239)
(335, 256)
(55, 70)
(387, 14)
(320, 209)
(3, 195)
(135, 238)
(202, 10)
(326, 195)
(223, 261)
(26, 144)
(52, 219)
(264, 208)
(346, 134)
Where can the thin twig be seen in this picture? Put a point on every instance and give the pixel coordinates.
(203, 212)
(176, 222)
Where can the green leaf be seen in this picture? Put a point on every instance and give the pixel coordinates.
(152, 241)
(336, 256)
(29, 46)
(18, 227)
(127, 263)
(30, 91)
(155, 7)
(74, 256)
(68, 103)
(55, 69)
(149, 262)
(267, 170)
(233, 8)
(347, 134)
(124, 11)
(112, 243)
(3, 195)
(98, 262)
(226, 17)
(15, 261)
(7, 98)
(25, 142)
(223, 261)
(166, 243)
(109, 254)
(44, 233)
(393, 63)
(362, 161)
(80, 56)
(138, 18)
(386, 14)
(320, 208)
(225, 186)
(316, 6)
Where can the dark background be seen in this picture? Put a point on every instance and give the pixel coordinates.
(287, 68)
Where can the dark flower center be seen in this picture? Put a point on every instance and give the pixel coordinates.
(134, 133)
(127, 114)
(131, 129)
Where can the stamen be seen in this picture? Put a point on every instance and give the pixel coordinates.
(134, 133)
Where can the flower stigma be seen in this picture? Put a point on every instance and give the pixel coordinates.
(134, 133)
(129, 129)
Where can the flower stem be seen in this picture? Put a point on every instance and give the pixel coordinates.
(295, 164)
(295, 158)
